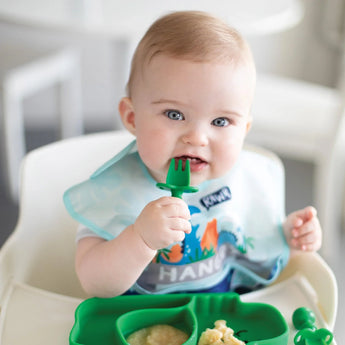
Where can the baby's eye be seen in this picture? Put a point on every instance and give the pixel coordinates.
(221, 122)
(174, 115)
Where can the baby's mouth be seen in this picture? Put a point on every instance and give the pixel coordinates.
(196, 163)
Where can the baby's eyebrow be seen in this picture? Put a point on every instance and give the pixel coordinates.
(165, 101)
(229, 112)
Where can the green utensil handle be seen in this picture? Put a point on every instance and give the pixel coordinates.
(307, 336)
(177, 191)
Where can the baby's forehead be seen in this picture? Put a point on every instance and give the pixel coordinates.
(168, 77)
(160, 69)
(165, 63)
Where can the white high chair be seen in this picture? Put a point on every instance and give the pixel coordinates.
(24, 71)
(39, 290)
(302, 120)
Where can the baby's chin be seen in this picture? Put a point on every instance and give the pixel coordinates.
(198, 179)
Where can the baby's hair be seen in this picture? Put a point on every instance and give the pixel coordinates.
(190, 35)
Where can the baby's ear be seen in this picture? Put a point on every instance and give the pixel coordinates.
(127, 114)
(249, 124)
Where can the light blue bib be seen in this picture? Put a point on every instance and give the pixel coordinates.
(236, 221)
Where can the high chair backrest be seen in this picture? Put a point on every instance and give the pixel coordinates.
(40, 251)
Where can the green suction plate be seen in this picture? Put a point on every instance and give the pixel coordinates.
(110, 321)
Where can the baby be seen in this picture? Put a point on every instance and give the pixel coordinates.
(189, 97)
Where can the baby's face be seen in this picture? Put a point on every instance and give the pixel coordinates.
(194, 111)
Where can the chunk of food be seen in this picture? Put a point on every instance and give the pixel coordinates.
(219, 335)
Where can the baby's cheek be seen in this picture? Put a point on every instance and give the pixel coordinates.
(153, 161)
(224, 163)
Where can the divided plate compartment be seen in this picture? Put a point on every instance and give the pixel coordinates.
(110, 321)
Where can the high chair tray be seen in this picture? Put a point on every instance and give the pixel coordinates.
(32, 316)
(111, 321)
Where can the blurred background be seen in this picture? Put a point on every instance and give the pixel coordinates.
(298, 110)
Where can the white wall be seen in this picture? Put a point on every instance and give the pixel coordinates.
(301, 52)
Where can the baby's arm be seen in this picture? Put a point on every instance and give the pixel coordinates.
(302, 230)
(109, 268)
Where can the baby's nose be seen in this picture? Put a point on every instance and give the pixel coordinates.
(195, 136)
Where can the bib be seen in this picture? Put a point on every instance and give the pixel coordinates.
(236, 242)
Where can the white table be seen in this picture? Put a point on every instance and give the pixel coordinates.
(125, 19)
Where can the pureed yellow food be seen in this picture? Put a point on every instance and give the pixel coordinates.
(158, 335)
(169, 335)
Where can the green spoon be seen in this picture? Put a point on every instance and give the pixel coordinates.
(304, 320)
(178, 180)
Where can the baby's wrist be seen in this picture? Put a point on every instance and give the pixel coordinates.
(141, 240)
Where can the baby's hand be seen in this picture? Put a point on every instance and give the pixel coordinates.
(303, 230)
(163, 222)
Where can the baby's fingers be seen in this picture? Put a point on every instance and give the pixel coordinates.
(180, 224)
(307, 237)
(300, 231)
(177, 236)
(174, 207)
(298, 218)
(305, 241)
